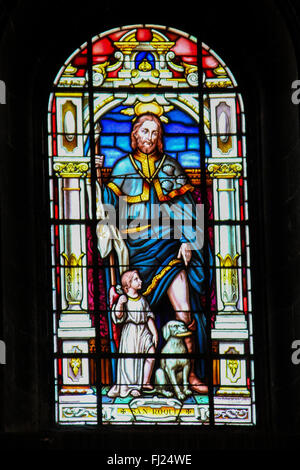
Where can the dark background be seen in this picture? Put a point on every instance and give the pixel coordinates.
(260, 42)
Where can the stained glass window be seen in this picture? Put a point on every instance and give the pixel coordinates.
(151, 275)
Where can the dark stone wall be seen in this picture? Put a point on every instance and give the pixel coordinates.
(260, 43)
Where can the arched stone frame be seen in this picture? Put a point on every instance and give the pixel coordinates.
(224, 128)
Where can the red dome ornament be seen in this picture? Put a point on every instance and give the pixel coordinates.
(144, 35)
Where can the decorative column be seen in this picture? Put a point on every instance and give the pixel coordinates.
(74, 320)
(75, 327)
(230, 327)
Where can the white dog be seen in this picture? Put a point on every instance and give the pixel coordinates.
(174, 372)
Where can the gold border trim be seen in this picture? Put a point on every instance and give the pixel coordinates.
(134, 298)
(160, 275)
(115, 188)
(139, 228)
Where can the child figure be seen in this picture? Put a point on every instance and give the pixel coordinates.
(138, 335)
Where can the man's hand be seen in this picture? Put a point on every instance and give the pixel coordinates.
(185, 252)
(99, 160)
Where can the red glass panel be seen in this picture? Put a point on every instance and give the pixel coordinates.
(144, 35)
(186, 49)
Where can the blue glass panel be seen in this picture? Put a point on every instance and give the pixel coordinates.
(144, 55)
(173, 154)
(177, 128)
(124, 143)
(107, 140)
(189, 159)
(111, 155)
(175, 143)
(117, 115)
(178, 116)
(111, 126)
(193, 143)
(87, 146)
(207, 149)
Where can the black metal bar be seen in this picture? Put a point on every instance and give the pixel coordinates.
(206, 266)
(94, 236)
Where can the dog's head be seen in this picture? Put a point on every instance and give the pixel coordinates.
(175, 328)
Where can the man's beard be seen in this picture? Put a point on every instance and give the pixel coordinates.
(147, 149)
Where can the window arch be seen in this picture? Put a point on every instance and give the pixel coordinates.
(99, 93)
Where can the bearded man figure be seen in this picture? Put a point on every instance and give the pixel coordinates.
(171, 265)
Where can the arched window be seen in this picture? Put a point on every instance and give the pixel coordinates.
(152, 313)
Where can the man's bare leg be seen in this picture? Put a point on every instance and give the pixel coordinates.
(178, 294)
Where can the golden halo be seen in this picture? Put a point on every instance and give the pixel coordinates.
(143, 108)
(153, 107)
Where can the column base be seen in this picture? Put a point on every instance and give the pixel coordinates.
(233, 391)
